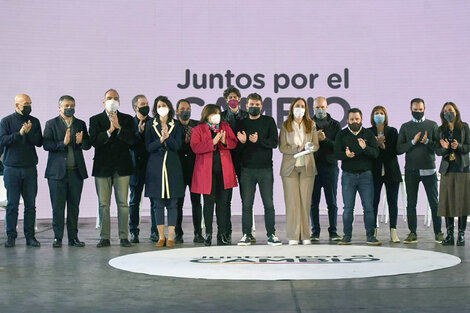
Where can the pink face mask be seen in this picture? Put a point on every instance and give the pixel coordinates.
(233, 103)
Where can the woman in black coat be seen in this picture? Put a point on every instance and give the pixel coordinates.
(164, 178)
(385, 168)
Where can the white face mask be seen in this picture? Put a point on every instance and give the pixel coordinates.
(112, 105)
(163, 111)
(299, 112)
(215, 119)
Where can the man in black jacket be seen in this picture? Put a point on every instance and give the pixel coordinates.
(140, 157)
(19, 134)
(327, 167)
(112, 135)
(187, 158)
(65, 137)
(233, 115)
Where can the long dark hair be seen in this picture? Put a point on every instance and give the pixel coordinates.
(458, 121)
(208, 110)
(167, 101)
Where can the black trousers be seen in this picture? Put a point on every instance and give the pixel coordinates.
(197, 214)
(67, 190)
(220, 197)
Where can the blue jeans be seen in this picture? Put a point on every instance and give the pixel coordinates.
(364, 184)
(21, 181)
(135, 197)
(327, 178)
(412, 180)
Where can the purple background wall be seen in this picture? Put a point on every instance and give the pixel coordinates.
(394, 51)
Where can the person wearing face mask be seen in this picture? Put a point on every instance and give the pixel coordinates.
(298, 174)
(112, 134)
(418, 140)
(257, 136)
(65, 138)
(214, 174)
(327, 167)
(20, 133)
(454, 196)
(385, 168)
(139, 155)
(164, 183)
(187, 158)
(356, 147)
(233, 115)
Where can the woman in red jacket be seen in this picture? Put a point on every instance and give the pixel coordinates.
(214, 174)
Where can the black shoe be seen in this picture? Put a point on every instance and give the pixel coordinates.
(134, 238)
(10, 242)
(449, 240)
(179, 238)
(76, 243)
(57, 243)
(223, 241)
(198, 238)
(154, 237)
(32, 242)
(125, 243)
(461, 238)
(103, 243)
(208, 240)
(335, 237)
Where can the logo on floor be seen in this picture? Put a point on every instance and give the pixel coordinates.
(286, 262)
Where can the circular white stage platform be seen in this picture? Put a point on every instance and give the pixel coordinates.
(284, 262)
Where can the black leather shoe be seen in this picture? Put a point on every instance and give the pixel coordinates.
(125, 243)
(76, 243)
(32, 242)
(154, 237)
(179, 238)
(103, 243)
(57, 243)
(134, 238)
(10, 242)
(198, 238)
(208, 240)
(222, 240)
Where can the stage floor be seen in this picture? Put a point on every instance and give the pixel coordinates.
(81, 280)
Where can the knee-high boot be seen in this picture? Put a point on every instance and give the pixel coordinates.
(449, 240)
(462, 227)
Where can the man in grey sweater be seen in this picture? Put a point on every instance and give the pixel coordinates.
(418, 139)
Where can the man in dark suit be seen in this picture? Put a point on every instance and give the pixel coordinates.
(112, 135)
(187, 158)
(140, 157)
(19, 134)
(65, 137)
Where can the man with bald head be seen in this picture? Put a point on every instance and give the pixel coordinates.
(327, 166)
(20, 133)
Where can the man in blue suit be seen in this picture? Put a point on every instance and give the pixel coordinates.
(65, 137)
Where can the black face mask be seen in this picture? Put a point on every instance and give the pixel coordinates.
(449, 116)
(26, 110)
(417, 115)
(355, 126)
(144, 110)
(185, 115)
(254, 111)
(69, 112)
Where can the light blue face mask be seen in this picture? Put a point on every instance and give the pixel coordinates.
(379, 119)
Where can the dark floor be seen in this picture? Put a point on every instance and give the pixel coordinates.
(80, 280)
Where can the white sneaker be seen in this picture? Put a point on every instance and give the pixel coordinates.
(306, 242)
(245, 241)
(274, 241)
(293, 242)
(394, 236)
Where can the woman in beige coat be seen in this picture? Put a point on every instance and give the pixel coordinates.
(298, 174)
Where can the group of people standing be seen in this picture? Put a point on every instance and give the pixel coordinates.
(169, 152)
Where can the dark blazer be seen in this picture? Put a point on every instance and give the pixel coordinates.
(54, 134)
(461, 153)
(139, 154)
(387, 157)
(163, 158)
(112, 154)
(186, 154)
(326, 153)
